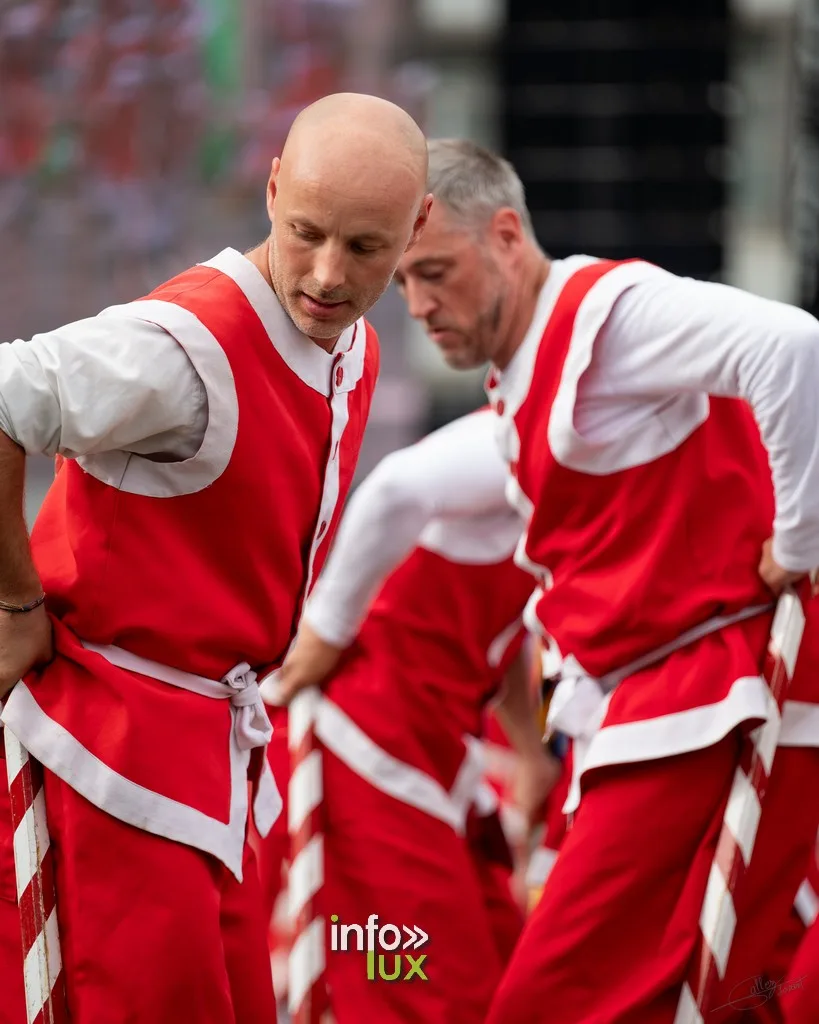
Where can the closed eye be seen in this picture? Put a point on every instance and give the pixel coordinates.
(305, 236)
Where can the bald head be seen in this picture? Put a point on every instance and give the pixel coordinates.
(356, 133)
(346, 200)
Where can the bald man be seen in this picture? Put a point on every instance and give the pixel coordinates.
(208, 433)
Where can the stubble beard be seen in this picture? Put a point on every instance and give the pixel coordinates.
(481, 340)
(308, 328)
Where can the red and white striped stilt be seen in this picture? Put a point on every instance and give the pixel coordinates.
(306, 980)
(741, 821)
(33, 862)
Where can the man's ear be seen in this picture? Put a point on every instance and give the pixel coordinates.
(506, 229)
(420, 221)
(273, 186)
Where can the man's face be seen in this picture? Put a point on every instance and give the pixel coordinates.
(334, 248)
(453, 284)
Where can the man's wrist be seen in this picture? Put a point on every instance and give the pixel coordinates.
(328, 628)
(533, 751)
(17, 607)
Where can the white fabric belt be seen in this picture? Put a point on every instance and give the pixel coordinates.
(540, 867)
(580, 701)
(239, 686)
(806, 904)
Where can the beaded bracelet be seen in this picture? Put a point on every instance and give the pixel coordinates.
(17, 609)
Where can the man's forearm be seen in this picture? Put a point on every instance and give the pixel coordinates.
(19, 582)
(537, 770)
(517, 709)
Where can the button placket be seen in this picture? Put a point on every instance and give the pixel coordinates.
(337, 374)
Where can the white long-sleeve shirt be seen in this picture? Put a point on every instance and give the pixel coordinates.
(455, 474)
(669, 335)
(110, 383)
(116, 383)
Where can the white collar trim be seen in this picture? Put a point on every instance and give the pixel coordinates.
(512, 384)
(304, 357)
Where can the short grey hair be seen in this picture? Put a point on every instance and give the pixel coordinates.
(474, 183)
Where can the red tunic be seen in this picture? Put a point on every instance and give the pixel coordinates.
(433, 650)
(406, 703)
(637, 540)
(200, 566)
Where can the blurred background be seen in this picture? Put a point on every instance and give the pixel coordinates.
(136, 138)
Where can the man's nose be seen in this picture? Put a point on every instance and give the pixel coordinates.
(420, 302)
(329, 269)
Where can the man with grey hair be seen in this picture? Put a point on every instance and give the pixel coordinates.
(483, 213)
(663, 435)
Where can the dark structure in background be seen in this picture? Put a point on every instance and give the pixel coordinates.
(612, 115)
(805, 210)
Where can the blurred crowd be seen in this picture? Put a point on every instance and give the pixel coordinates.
(136, 138)
(112, 93)
(132, 132)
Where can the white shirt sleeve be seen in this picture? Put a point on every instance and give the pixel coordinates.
(111, 383)
(454, 471)
(669, 335)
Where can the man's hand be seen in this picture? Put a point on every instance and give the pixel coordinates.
(773, 575)
(25, 643)
(308, 664)
(535, 778)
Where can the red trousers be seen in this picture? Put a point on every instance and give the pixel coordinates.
(387, 858)
(612, 936)
(152, 931)
(384, 857)
(799, 994)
